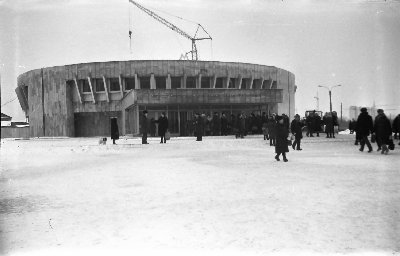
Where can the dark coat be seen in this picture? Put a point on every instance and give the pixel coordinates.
(144, 124)
(329, 124)
(364, 124)
(382, 128)
(271, 125)
(317, 123)
(162, 125)
(295, 128)
(281, 144)
(396, 124)
(114, 129)
(199, 126)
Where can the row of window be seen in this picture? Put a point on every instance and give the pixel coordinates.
(129, 83)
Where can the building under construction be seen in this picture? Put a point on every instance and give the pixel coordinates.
(79, 100)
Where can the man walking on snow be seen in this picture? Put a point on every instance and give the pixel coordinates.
(364, 128)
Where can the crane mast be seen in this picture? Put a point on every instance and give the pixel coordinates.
(176, 29)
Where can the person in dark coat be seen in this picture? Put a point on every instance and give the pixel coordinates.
(310, 124)
(317, 123)
(216, 124)
(383, 131)
(364, 127)
(295, 128)
(199, 127)
(352, 125)
(329, 126)
(114, 129)
(281, 146)
(271, 130)
(145, 127)
(396, 126)
(241, 125)
(162, 127)
(224, 125)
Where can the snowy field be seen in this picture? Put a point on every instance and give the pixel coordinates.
(221, 196)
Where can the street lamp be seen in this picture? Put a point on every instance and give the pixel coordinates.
(330, 94)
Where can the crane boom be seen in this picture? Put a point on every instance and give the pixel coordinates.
(176, 29)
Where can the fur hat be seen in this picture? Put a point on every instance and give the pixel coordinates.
(363, 109)
(277, 118)
(380, 111)
(145, 112)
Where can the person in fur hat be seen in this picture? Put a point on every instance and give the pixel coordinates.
(281, 146)
(363, 129)
(383, 131)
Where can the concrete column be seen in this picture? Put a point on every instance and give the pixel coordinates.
(168, 82)
(123, 121)
(198, 82)
(152, 82)
(226, 84)
(137, 85)
(214, 81)
(136, 118)
(239, 83)
(251, 83)
(183, 84)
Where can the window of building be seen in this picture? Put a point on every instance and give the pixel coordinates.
(85, 85)
(99, 85)
(114, 84)
(244, 84)
(129, 83)
(161, 82)
(219, 83)
(175, 82)
(145, 82)
(231, 84)
(190, 82)
(205, 82)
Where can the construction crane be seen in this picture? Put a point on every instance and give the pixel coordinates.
(194, 38)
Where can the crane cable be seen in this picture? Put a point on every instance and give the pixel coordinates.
(130, 30)
(8, 101)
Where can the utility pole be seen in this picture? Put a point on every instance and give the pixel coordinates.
(341, 110)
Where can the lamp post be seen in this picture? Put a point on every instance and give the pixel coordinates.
(330, 94)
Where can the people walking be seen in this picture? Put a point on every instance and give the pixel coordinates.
(396, 127)
(295, 128)
(364, 128)
(144, 126)
(114, 129)
(383, 131)
(241, 125)
(271, 129)
(199, 127)
(317, 123)
(162, 127)
(224, 125)
(310, 124)
(281, 146)
(329, 125)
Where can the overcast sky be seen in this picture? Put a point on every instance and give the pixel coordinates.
(352, 43)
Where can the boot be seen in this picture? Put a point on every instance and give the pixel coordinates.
(277, 158)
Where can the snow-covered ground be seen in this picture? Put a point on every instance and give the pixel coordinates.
(221, 196)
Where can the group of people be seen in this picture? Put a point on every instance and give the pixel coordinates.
(380, 130)
(315, 123)
(277, 128)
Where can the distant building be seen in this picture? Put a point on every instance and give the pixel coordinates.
(78, 100)
(354, 111)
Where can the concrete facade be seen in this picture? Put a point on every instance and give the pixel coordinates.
(79, 99)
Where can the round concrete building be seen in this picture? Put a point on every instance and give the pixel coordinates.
(78, 100)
